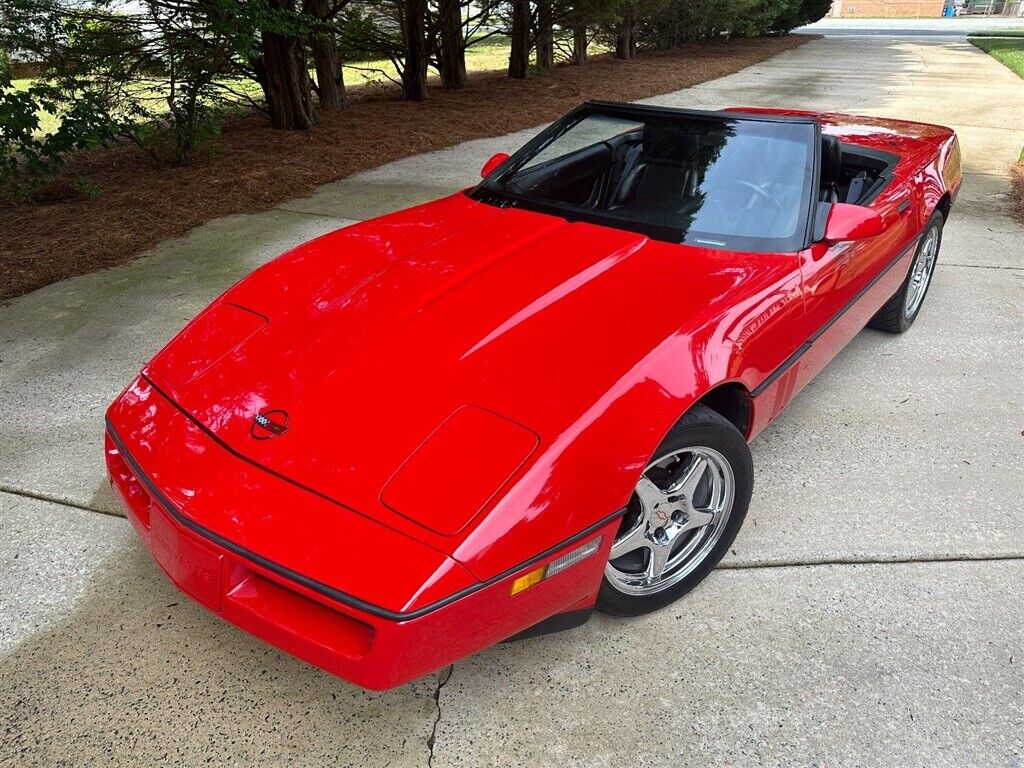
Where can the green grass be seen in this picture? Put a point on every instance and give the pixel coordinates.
(47, 123)
(1007, 51)
(149, 92)
(999, 33)
(487, 55)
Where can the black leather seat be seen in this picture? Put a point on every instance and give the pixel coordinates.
(626, 175)
(662, 164)
(831, 169)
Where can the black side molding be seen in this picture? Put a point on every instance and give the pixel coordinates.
(802, 349)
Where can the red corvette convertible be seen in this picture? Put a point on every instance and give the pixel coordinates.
(484, 417)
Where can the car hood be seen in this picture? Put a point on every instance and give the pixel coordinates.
(413, 364)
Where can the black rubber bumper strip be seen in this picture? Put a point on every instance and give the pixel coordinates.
(802, 349)
(323, 589)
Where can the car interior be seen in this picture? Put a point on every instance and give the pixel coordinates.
(711, 177)
(743, 183)
(652, 167)
(852, 174)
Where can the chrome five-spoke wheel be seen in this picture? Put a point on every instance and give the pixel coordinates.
(678, 512)
(921, 272)
(682, 516)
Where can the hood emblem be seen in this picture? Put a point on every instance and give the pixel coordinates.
(269, 424)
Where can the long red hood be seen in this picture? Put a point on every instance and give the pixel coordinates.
(372, 337)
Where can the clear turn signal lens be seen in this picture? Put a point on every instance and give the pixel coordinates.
(569, 559)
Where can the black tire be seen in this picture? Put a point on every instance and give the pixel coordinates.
(894, 317)
(699, 428)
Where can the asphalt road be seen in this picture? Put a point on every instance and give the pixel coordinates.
(869, 615)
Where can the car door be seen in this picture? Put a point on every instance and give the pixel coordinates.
(837, 280)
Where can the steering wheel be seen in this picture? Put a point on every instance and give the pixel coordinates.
(757, 191)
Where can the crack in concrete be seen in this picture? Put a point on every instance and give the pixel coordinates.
(40, 496)
(980, 266)
(442, 680)
(895, 560)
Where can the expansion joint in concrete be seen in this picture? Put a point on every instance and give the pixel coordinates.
(982, 266)
(853, 560)
(40, 496)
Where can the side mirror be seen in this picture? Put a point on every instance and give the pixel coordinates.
(493, 163)
(852, 222)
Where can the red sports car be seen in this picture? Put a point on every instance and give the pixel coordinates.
(486, 416)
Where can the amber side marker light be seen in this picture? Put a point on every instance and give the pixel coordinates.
(569, 559)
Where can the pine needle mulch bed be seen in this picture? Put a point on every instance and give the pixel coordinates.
(256, 167)
(1017, 190)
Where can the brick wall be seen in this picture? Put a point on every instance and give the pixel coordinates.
(853, 9)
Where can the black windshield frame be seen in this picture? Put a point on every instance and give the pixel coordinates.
(492, 190)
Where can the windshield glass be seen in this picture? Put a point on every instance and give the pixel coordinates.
(701, 179)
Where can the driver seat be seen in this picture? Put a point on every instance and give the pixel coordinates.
(660, 167)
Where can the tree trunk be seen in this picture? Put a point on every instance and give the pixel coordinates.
(330, 80)
(287, 87)
(414, 32)
(579, 45)
(545, 36)
(622, 44)
(453, 48)
(519, 59)
(664, 35)
(625, 45)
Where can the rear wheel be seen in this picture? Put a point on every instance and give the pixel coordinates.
(682, 517)
(899, 313)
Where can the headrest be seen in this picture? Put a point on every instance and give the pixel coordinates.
(831, 159)
(665, 141)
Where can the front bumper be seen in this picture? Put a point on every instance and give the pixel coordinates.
(359, 645)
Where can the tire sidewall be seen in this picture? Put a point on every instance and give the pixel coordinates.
(700, 427)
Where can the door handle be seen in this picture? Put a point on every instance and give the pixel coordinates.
(903, 207)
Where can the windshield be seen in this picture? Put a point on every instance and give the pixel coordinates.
(703, 179)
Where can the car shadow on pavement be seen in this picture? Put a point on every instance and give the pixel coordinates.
(139, 674)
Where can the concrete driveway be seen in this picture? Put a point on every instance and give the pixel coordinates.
(870, 613)
(960, 26)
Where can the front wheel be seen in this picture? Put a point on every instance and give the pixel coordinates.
(683, 515)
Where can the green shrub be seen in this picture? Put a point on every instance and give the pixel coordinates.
(666, 24)
(190, 134)
(154, 72)
(800, 12)
(29, 158)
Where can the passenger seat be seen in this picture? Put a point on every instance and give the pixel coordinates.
(831, 169)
